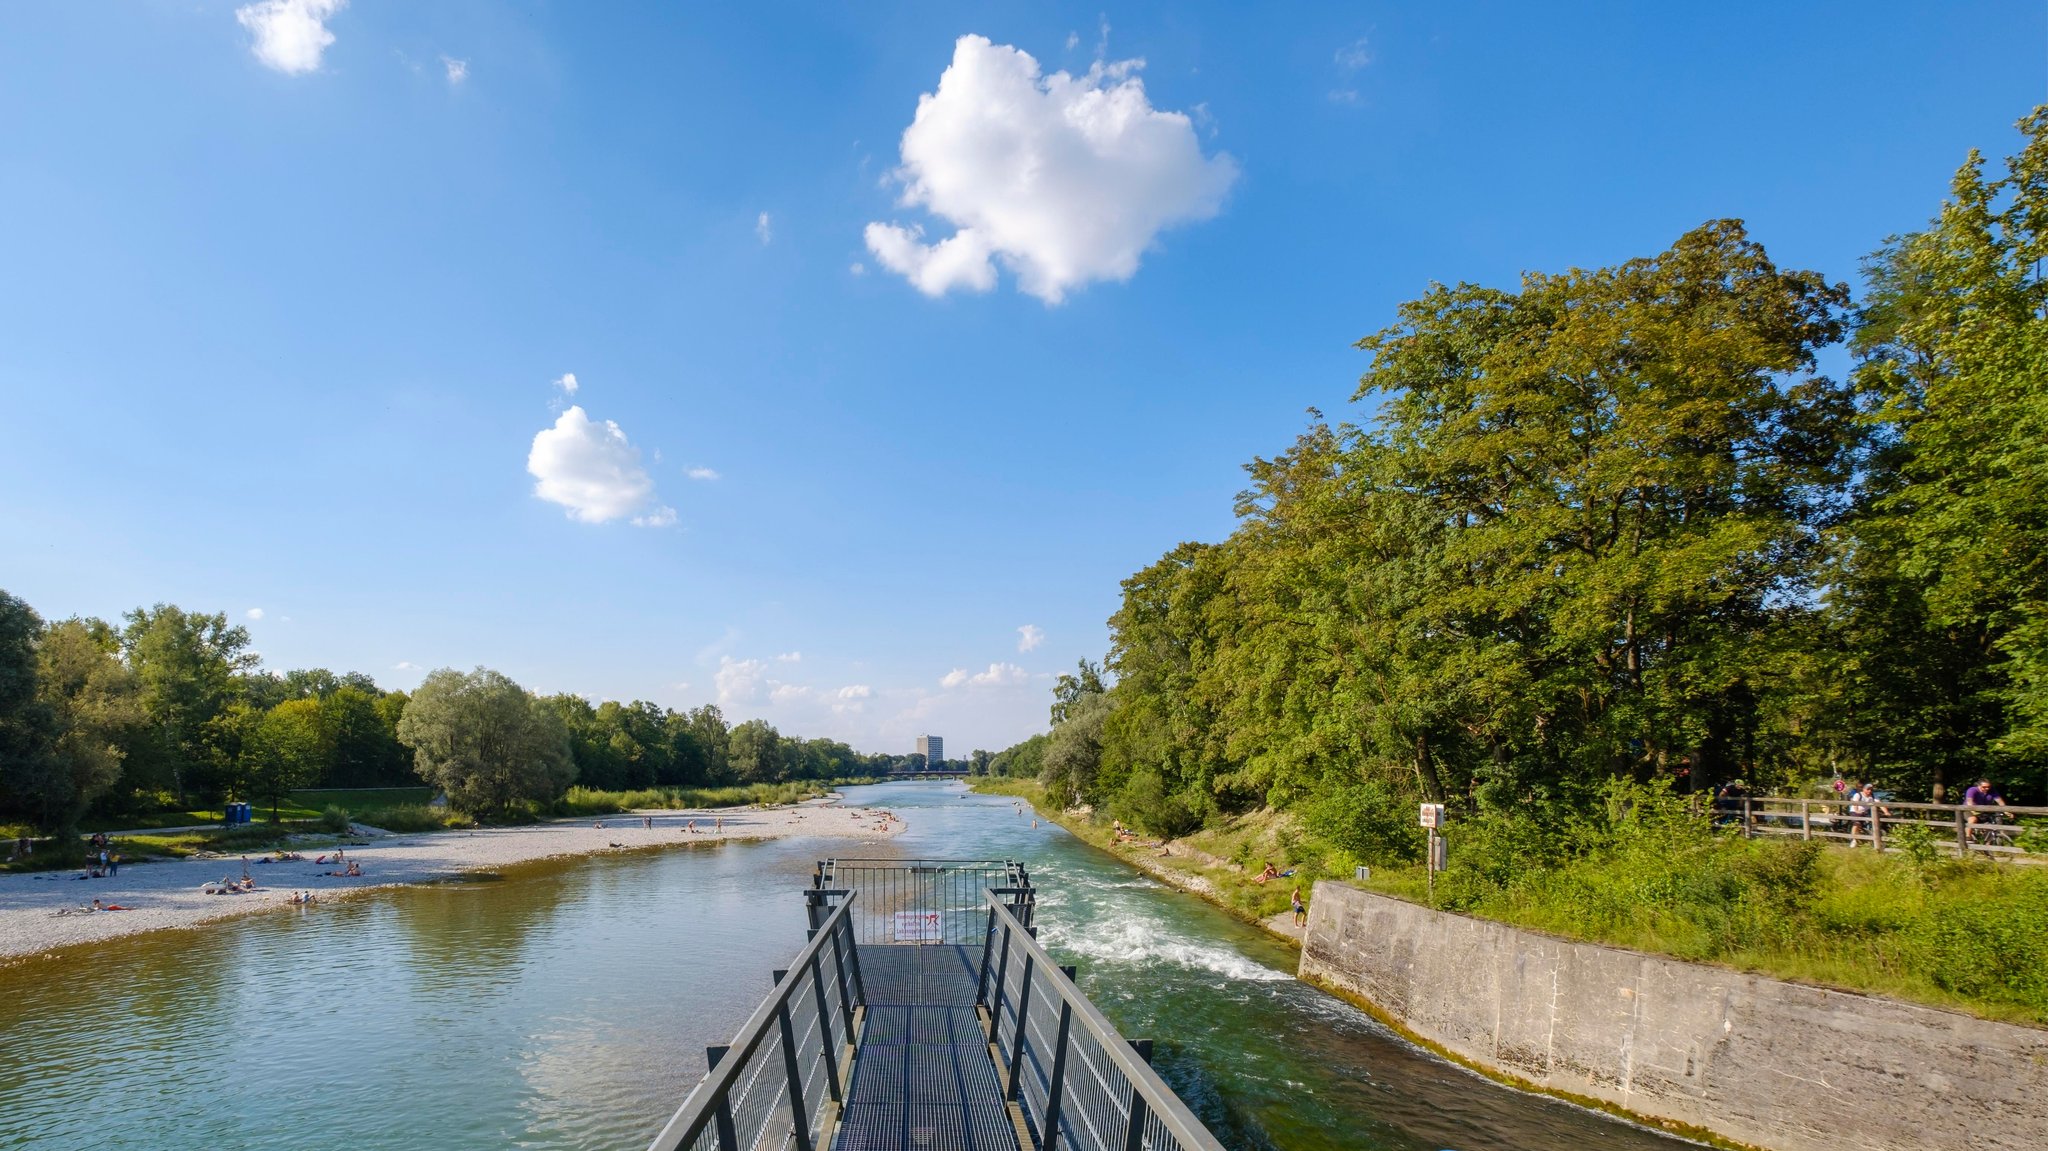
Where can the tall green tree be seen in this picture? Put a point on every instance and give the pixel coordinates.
(486, 742)
(186, 664)
(1948, 565)
(290, 746)
(28, 729)
(96, 709)
(756, 752)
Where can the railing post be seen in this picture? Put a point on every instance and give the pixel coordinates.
(1748, 819)
(800, 1121)
(1023, 1026)
(727, 1139)
(825, 1030)
(1806, 819)
(860, 989)
(1877, 826)
(839, 969)
(1049, 1124)
(981, 981)
(1962, 834)
(1134, 1135)
(995, 1011)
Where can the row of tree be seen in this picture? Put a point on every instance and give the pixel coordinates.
(1616, 523)
(170, 708)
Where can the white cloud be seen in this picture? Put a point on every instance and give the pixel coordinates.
(855, 691)
(790, 657)
(764, 228)
(999, 675)
(788, 693)
(593, 470)
(953, 678)
(1029, 637)
(290, 35)
(857, 268)
(1073, 41)
(1062, 179)
(567, 382)
(254, 613)
(739, 680)
(661, 517)
(458, 70)
(701, 473)
(1354, 56)
(405, 665)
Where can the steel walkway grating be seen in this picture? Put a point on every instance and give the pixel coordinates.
(922, 1076)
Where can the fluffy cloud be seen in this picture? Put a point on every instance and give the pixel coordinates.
(788, 693)
(855, 691)
(997, 675)
(739, 680)
(1062, 179)
(763, 227)
(1029, 637)
(290, 35)
(254, 613)
(458, 70)
(593, 470)
(790, 657)
(701, 473)
(405, 665)
(567, 382)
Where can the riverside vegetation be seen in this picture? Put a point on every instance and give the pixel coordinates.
(157, 722)
(1610, 538)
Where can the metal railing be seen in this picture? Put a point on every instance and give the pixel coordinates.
(919, 900)
(781, 1080)
(1957, 828)
(1079, 1083)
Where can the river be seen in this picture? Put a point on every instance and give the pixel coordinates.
(569, 1005)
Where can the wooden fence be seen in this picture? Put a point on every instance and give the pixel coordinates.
(1960, 830)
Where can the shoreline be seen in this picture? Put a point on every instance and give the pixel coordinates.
(165, 894)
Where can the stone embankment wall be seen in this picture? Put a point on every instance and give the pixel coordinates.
(1755, 1060)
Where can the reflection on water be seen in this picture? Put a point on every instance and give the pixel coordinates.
(569, 1006)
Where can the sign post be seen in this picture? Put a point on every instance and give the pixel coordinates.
(1432, 819)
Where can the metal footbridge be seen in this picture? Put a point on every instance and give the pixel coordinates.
(923, 1015)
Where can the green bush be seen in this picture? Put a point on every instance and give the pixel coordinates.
(404, 817)
(333, 819)
(1368, 821)
(1145, 803)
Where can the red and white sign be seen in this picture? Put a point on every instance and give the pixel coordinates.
(918, 927)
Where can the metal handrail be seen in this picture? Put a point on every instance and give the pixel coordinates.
(1152, 1111)
(709, 1103)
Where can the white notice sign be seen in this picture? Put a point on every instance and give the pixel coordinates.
(1432, 815)
(918, 927)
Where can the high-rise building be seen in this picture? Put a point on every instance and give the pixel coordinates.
(933, 749)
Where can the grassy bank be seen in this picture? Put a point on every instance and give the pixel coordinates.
(1968, 936)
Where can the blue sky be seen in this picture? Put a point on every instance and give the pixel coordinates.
(289, 294)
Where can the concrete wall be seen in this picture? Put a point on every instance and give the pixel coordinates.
(1754, 1060)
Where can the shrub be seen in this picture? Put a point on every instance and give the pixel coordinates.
(404, 817)
(333, 819)
(1368, 821)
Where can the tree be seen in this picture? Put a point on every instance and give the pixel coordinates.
(1071, 687)
(485, 741)
(185, 664)
(289, 747)
(756, 752)
(1074, 753)
(362, 748)
(1948, 559)
(94, 704)
(28, 729)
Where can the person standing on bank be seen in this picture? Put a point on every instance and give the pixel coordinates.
(1300, 908)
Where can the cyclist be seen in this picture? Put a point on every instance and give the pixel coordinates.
(1981, 795)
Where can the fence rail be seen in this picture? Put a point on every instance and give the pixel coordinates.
(1958, 828)
(919, 900)
(1080, 1085)
(779, 1083)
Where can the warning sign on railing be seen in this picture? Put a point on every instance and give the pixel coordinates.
(918, 927)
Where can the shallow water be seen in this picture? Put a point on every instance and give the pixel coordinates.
(568, 1006)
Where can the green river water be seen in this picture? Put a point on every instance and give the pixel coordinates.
(569, 1005)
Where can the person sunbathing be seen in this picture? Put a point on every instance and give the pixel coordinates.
(1270, 872)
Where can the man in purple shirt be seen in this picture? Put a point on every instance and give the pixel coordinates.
(1981, 795)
